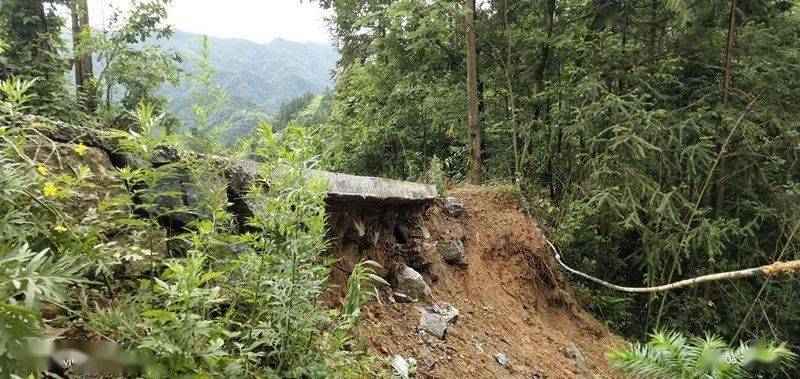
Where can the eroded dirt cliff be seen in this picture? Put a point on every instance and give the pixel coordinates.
(515, 317)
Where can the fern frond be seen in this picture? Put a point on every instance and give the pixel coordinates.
(766, 355)
(674, 349)
(707, 356)
(671, 355)
(640, 359)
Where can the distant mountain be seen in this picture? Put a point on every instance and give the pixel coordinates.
(258, 78)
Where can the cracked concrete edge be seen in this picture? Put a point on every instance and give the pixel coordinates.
(241, 172)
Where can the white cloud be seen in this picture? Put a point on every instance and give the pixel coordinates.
(255, 20)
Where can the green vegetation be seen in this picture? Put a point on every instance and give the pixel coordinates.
(206, 300)
(203, 135)
(208, 310)
(658, 137)
(249, 313)
(257, 78)
(131, 66)
(30, 50)
(671, 355)
(658, 140)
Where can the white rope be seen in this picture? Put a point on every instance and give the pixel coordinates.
(776, 268)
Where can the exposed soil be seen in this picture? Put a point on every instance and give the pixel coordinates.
(509, 298)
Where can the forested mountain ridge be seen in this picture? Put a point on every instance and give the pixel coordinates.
(257, 78)
(262, 74)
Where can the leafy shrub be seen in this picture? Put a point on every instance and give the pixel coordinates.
(255, 310)
(33, 268)
(209, 308)
(671, 355)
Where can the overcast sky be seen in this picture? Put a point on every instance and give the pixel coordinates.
(255, 20)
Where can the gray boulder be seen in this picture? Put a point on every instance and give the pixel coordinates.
(234, 249)
(167, 199)
(453, 253)
(164, 154)
(436, 319)
(433, 324)
(416, 255)
(453, 207)
(411, 284)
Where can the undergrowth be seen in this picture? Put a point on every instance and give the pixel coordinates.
(672, 355)
(204, 300)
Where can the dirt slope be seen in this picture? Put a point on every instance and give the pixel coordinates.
(508, 298)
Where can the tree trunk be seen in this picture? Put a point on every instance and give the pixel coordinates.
(83, 60)
(651, 38)
(726, 93)
(476, 163)
(538, 78)
(729, 54)
(512, 104)
(624, 37)
(511, 99)
(38, 8)
(23, 29)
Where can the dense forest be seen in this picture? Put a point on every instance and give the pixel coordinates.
(658, 137)
(655, 140)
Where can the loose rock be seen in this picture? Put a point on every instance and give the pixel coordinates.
(453, 253)
(411, 284)
(401, 298)
(164, 155)
(501, 359)
(416, 255)
(435, 319)
(425, 234)
(427, 359)
(433, 324)
(400, 366)
(453, 207)
(573, 352)
(412, 230)
(355, 230)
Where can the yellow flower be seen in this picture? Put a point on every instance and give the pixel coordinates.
(80, 149)
(41, 170)
(60, 229)
(49, 190)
